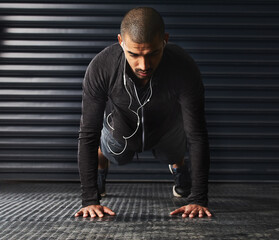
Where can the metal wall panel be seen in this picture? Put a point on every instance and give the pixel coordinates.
(47, 46)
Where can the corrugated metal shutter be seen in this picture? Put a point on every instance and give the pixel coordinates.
(48, 44)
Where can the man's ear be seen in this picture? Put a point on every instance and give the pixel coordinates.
(166, 38)
(120, 41)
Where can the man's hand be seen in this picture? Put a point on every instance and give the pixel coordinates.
(94, 211)
(192, 210)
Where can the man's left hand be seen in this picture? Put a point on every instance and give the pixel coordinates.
(192, 210)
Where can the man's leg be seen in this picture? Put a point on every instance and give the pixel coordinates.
(171, 149)
(178, 164)
(106, 156)
(102, 173)
(103, 161)
(182, 179)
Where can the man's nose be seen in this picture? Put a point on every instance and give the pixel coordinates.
(144, 63)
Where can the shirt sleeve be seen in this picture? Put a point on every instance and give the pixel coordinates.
(191, 99)
(94, 99)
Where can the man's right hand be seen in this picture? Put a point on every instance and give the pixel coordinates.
(94, 211)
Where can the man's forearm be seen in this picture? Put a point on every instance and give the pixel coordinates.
(88, 167)
(200, 162)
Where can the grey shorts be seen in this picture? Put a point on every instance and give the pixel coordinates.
(170, 149)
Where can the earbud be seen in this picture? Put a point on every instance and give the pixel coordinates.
(122, 45)
(165, 43)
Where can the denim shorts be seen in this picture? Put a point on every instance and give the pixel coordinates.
(111, 148)
(170, 149)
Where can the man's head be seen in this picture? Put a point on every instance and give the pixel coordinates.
(143, 39)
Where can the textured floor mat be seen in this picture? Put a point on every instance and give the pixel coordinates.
(45, 211)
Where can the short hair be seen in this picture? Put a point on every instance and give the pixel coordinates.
(143, 24)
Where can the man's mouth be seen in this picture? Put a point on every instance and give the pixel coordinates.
(144, 73)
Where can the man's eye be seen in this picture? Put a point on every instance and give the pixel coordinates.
(134, 55)
(153, 54)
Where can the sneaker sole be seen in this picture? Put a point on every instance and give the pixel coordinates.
(175, 193)
(170, 169)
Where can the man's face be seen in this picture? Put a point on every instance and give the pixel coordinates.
(143, 58)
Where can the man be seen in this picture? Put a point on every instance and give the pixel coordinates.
(143, 94)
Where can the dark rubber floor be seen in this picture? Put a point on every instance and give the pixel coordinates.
(45, 211)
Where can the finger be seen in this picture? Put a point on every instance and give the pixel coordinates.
(92, 214)
(99, 213)
(186, 213)
(208, 213)
(193, 213)
(78, 213)
(108, 211)
(201, 213)
(176, 211)
(85, 213)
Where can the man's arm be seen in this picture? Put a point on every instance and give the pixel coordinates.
(93, 104)
(191, 99)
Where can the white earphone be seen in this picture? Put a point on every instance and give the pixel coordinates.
(141, 105)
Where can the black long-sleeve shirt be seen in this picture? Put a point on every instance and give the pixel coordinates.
(177, 90)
